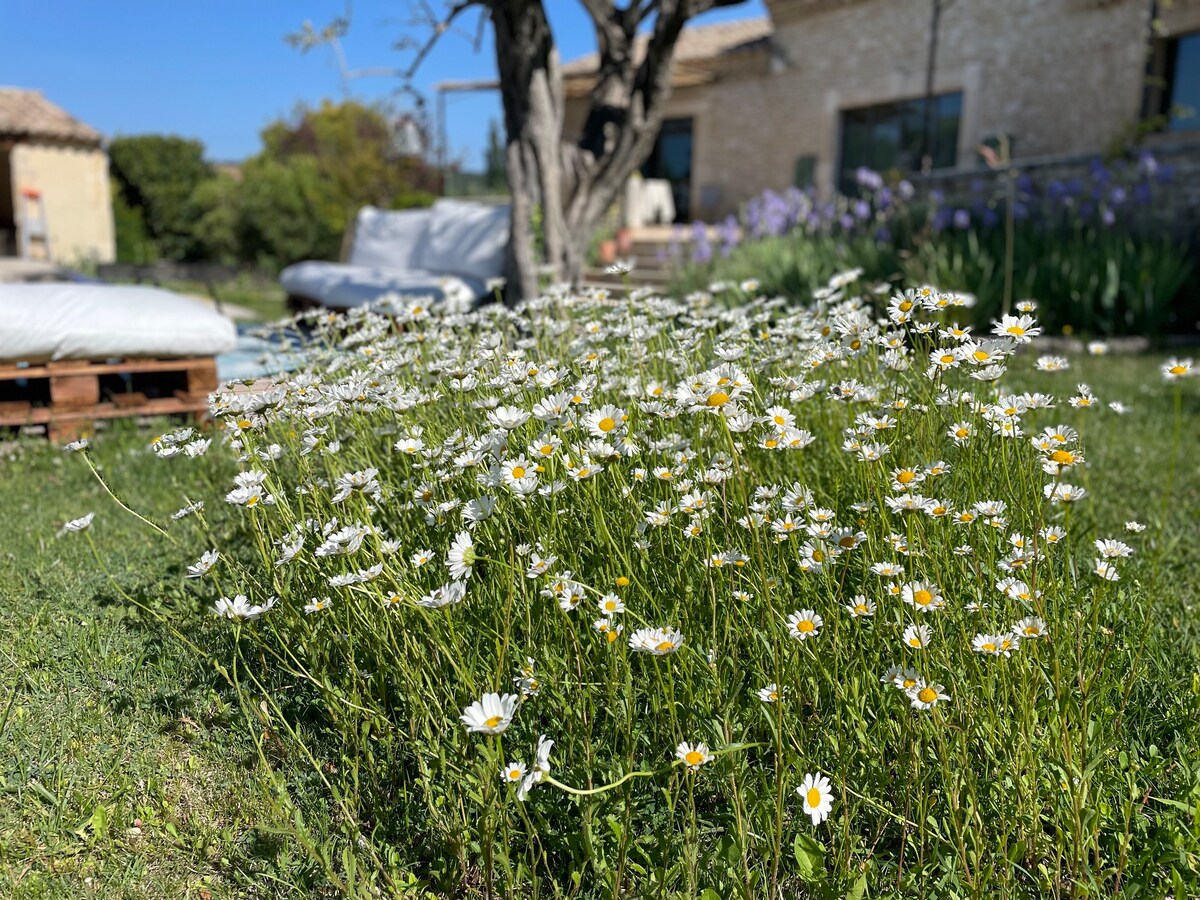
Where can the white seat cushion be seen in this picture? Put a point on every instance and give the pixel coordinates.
(390, 239)
(466, 238)
(343, 286)
(97, 321)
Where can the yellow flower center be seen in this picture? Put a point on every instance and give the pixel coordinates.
(1031, 629)
(922, 598)
(518, 472)
(927, 695)
(1016, 329)
(1062, 457)
(848, 542)
(805, 626)
(514, 774)
(253, 501)
(906, 477)
(905, 305)
(1178, 370)
(980, 355)
(962, 432)
(606, 424)
(494, 721)
(908, 682)
(813, 797)
(718, 398)
(693, 757)
(770, 443)
(666, 645)
(947, 358)
(622, 581)
(990, 648)
(818, 555)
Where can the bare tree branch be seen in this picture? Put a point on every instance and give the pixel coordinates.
(440, 27)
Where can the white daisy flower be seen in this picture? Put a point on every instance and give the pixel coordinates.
(492, 714)
(817, 796)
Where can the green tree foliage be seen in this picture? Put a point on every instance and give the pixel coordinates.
(217, 217)
(156, 175)
(134, 244)
(315, 171)
(291, 201)
(289, 212)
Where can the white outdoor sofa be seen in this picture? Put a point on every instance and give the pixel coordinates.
(453, 253)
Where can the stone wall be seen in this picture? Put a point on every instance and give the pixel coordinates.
(1173, 168)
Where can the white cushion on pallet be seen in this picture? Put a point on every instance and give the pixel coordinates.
(41, 322)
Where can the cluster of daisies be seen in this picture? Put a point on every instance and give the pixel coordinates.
(416, 429)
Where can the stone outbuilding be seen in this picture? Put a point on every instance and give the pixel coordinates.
(55, 198)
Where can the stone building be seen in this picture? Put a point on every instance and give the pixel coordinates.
(53, 172)
(821, 87)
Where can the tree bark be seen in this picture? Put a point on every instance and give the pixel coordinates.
(571, 187)
(531, 90)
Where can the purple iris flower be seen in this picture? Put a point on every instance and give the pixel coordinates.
(701, 248)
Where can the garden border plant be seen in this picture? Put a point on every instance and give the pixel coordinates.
(1101, 249)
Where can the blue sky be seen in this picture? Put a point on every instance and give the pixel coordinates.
(219, 70)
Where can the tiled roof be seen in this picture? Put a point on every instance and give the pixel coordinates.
(696, 44)
(25, 113)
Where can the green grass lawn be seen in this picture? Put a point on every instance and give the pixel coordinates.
(260, 295)
(126, 773)
(107, 721)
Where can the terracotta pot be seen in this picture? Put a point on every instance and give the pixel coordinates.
(607, 251)
(624, 241)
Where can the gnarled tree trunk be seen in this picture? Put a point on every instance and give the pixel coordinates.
(569, 187)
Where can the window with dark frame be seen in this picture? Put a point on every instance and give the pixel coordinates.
(896, 135)
(1173, 82)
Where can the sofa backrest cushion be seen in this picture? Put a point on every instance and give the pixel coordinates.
(390, 238)
(467, 239)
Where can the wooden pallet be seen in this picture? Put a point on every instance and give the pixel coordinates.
(68, 396)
